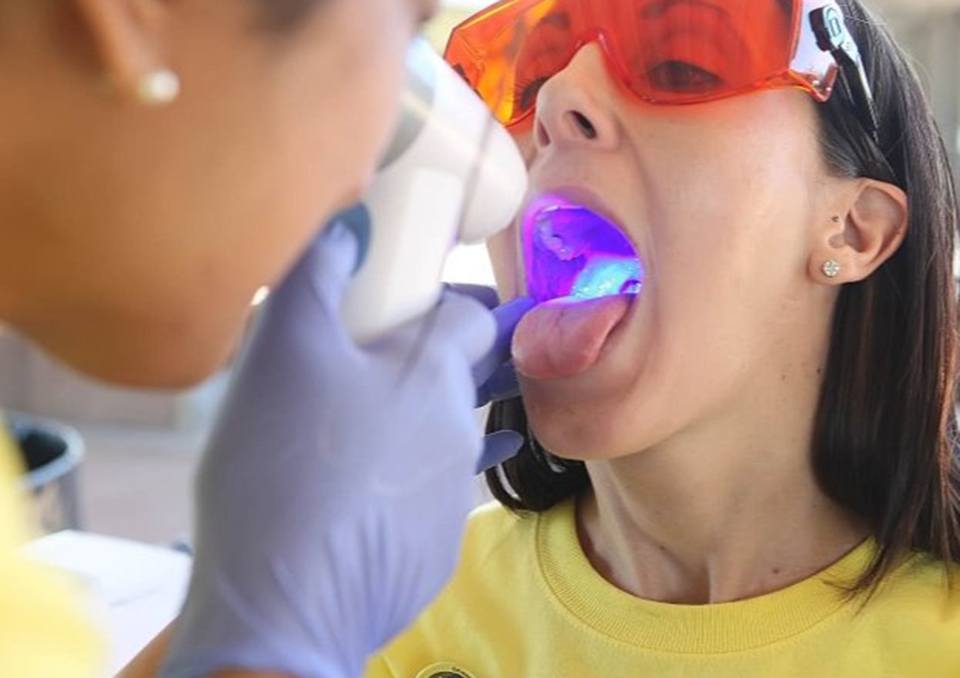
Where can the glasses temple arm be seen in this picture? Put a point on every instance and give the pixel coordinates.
(833, 36)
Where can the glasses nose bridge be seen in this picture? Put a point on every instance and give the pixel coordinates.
(598, 38)
(580, 57)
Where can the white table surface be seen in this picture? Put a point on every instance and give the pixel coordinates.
(135, 589)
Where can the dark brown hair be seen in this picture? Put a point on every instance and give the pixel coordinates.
(885, 435)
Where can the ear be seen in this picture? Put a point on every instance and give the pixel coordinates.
(864, 237)
(128, 35)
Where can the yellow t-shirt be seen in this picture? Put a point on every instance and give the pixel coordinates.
(43, 633)
(526, 603)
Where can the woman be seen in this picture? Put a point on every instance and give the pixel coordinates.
(747, 468)
(161, 162)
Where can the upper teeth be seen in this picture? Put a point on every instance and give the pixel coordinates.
(555, 243)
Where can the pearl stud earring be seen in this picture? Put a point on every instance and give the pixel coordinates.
(159, 87)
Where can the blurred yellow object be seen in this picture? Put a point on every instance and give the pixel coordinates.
(43, 631)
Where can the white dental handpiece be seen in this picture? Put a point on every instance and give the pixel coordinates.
(452, 174)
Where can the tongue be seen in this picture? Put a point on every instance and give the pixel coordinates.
(564, 337)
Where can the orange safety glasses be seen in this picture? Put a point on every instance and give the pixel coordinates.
(666, 52)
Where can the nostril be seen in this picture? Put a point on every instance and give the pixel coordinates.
(583, 124)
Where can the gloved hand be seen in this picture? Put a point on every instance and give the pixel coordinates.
(494, 374)
(334, 491)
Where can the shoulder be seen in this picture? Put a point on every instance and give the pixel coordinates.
(920, 603)
(492, 516)
(925, 580)
(497, 541)
(492, 524)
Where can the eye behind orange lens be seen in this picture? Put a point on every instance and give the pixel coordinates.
(667, 52)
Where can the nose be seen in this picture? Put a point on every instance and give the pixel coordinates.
(575, 107)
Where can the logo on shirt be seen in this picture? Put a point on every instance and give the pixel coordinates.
(444, 670)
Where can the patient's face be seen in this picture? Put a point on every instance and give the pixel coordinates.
(718, 200)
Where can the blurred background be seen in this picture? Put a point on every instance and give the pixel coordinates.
(140, 448)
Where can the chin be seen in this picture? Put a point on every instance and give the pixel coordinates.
(168, 371)
(176, 363)
(576, 433)
(599, 428)
(182, 376)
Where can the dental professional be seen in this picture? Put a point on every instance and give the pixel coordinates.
(161, 161)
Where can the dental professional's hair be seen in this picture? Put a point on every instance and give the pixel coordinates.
(885, 436)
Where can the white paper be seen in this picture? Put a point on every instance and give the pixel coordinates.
(135, 589)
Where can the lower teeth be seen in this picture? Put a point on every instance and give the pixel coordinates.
(605, 276)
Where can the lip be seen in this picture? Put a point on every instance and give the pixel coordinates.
(582, 197)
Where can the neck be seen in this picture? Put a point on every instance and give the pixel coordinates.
(730, 510)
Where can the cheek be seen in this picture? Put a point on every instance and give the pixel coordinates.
(736, 236)
(335, 86)
(503, 251)
(523, 135)
(504, 248)
(347, 108)
(327, 114)
(723, 270)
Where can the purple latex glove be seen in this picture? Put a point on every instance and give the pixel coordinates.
(334, 491)
(494, 373)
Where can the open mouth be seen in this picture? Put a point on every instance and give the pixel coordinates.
(571, 251)
(585, 274)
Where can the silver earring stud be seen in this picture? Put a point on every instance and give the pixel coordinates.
(831, 268)
(159, 87)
